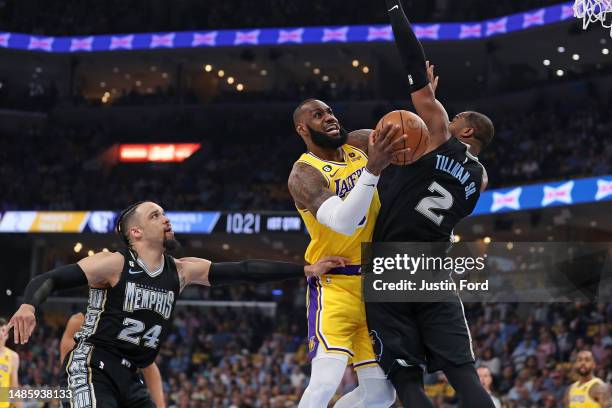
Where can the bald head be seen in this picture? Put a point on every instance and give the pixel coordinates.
(297, 113)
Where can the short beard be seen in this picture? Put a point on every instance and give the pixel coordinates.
(171, 245)
(322, 140)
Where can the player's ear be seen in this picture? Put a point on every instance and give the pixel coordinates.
(136, 232)
(466, 133)
(301, 130)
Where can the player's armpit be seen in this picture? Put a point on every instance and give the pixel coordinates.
(308, 187)
(102, 269)
(433, 114)
(191, 272)
(359, 139)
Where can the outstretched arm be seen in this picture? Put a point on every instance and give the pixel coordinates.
(99, 270)
(203, 272)
(421, 90)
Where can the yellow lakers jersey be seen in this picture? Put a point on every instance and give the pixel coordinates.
(340, 177)
(6, 366)
(579, 394)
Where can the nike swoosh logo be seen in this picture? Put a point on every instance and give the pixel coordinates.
(394, 7)
(132, 272)
(332, 175)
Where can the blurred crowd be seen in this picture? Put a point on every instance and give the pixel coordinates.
(72, 17)
(245, 358)
(250, 172)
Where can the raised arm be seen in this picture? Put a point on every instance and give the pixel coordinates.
(421, 90)
(100, 271)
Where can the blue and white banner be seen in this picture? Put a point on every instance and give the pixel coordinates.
(577, 191)
(287, 35)
(520, 198)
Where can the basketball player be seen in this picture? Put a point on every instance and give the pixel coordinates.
(589, 391)
(131, 302)
(423, 203)
(151, 374)
(334, 189)
(9, 366)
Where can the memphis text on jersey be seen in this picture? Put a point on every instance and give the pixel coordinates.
(456, 170)
(139, 297)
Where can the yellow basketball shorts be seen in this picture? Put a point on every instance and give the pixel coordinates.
(337, 319)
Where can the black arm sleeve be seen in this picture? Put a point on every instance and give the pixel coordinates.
(64, 277)
(409, 47)
(254, 271)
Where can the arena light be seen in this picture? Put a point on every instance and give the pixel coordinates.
(164, 75)
(240, 87)
(102, 84)
(456, 238)
(263, 72)
(576, 57)
(138, 83)
(221, 73)
(208, 67)
(316, 71)
(486, 240)
(546, 62)
(153, 68)
(355, 63)
(157, 152)
(560, 72)
(605, 51)
(561, 49)
(90, 252)
(230, 80)
(365, 69)
(325, 78)
(77, 247)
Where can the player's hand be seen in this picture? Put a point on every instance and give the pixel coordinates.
(22, 323)
(383, 146)
(324, 265)
(433, 78)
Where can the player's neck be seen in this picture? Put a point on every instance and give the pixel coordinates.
(336, 155)
(586, 379)
(151, 256)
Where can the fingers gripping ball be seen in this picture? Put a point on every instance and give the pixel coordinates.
(412, 126)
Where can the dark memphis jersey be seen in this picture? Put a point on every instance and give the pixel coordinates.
(424, 201)
(132, 319)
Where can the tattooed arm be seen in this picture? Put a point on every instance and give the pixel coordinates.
(308, 187)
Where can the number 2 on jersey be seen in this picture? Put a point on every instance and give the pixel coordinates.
(428, 204)
(134, 328)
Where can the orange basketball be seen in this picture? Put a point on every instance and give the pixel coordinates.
(412, 126)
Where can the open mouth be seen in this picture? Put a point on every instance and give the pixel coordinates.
(333, 129)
